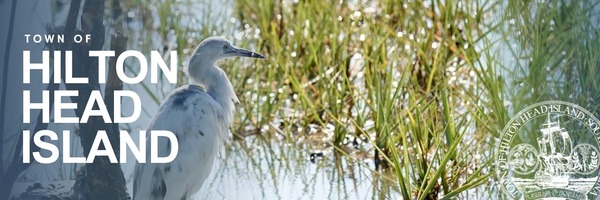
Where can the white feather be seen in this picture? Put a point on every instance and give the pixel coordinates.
(193, 116)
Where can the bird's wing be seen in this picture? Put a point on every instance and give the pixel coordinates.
(197, 121)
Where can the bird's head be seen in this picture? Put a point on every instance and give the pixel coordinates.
(216, 48)
(203, 71)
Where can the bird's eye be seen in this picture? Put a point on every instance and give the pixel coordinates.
(225, 47)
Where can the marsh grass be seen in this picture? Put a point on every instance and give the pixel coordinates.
(555, 50)
(423, 88)
(405, 78)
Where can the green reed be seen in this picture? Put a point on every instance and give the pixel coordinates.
(405, 77)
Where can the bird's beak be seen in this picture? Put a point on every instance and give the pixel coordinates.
(242, 53)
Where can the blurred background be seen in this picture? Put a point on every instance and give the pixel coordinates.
(359, 99)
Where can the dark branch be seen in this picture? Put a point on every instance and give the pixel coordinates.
(102, 179)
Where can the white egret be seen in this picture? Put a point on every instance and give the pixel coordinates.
(200, 119)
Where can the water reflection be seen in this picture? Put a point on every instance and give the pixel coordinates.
(256, 167)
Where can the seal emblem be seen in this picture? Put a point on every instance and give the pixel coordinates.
(550, 150)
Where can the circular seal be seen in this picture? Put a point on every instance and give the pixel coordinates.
(550, 150)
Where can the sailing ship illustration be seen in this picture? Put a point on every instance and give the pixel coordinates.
(555, 148)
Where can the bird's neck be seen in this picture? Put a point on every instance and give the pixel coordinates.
(219, 87)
